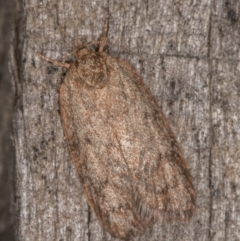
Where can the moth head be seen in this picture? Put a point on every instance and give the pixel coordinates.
(91, 68)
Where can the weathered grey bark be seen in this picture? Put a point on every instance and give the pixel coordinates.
(186, 43)
(8, 36)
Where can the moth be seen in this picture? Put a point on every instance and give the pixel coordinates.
(128, 160)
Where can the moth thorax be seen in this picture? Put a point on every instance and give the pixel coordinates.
(91, 68)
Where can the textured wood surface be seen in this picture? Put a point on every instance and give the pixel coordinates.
(185, 43)
(8, 17)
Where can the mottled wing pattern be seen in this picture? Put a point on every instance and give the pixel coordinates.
(127, 158)
(162, 182)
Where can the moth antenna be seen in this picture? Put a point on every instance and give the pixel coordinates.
(104, 39)
(54, 62)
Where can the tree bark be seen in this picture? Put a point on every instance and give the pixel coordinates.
(9, 24)
(187, 53)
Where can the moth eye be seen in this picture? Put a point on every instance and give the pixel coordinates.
(93, 48)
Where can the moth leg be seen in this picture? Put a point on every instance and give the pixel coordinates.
(54, 62)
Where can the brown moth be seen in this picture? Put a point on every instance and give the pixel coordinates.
(129, 162)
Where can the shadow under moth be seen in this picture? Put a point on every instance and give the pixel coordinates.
(129, 162)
